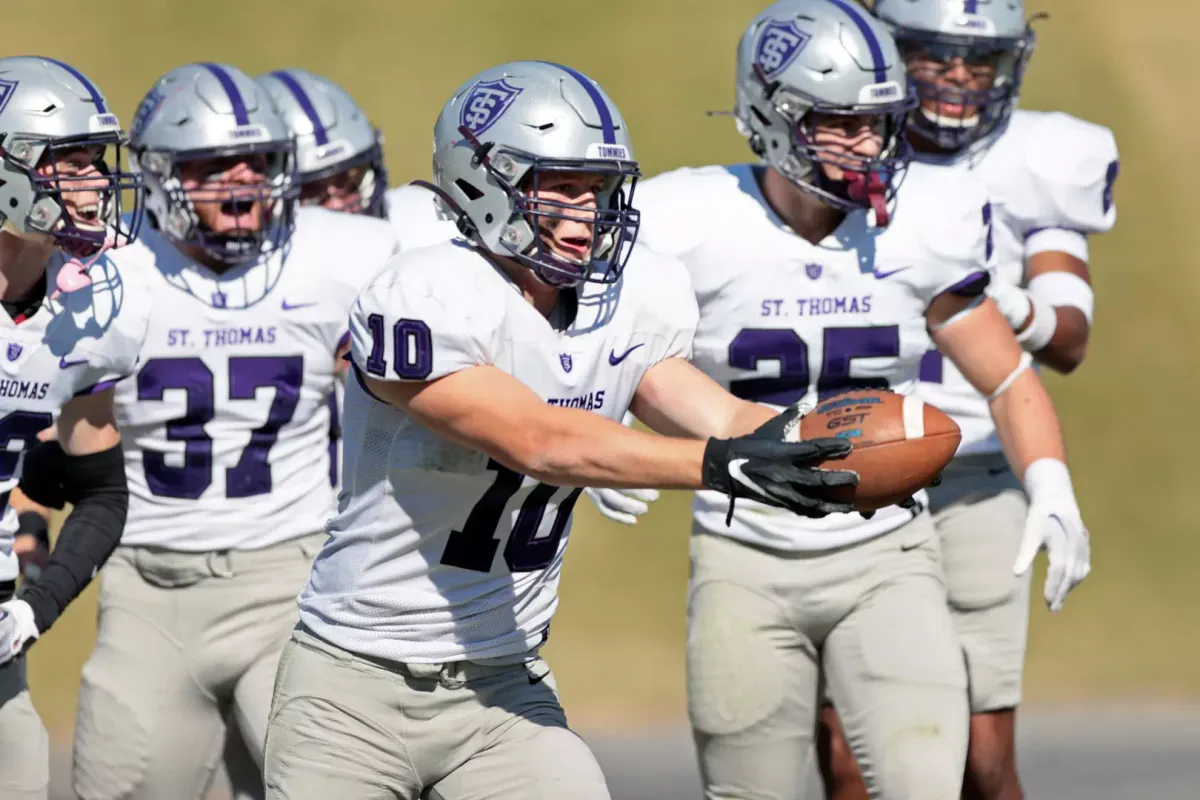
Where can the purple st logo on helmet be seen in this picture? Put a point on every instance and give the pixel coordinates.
(7, 88)
(485, 103)
(566, 361)
(812, 270)
(778, 45)
(14, 351)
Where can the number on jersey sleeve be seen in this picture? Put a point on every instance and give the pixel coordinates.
(474, 547)
(413, 346)
(251, 475)
(840, 347)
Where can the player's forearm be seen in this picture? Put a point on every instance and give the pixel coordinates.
(579, 448)
(1068, 345)
(1027, 423)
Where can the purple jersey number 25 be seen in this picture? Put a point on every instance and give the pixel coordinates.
(252, 474)
(840, 347)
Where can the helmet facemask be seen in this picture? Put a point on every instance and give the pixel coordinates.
(275, 197)
(952, 117)
(83, 210)
(613, 222)
(869, 181)
(371, 185)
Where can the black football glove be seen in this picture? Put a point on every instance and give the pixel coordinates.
(42, 474)
(764, 467)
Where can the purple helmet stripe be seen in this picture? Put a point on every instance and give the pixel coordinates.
(306, 105)
(607, 129)
(235, 97)
(970, 6)
(97, 100)
(856, 16)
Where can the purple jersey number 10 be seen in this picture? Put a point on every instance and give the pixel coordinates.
(840, 347)
(247, 374)
(474, 547)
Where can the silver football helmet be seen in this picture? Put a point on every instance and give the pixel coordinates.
(214, 111)
(333, 136)
(988, 35)
(513, 126)
(49, 111)
(800, 58)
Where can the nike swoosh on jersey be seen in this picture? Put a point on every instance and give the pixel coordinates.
(64, 364)
(881, 275)
(614, 359)
(286, 306)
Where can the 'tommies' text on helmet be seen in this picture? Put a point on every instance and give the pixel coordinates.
(509, 128)
(48, 110)
(332, 133)
(989, 34)
(803, 58)
(208, 111)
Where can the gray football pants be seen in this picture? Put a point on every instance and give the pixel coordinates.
(979, 510)
(345, 726)
(763, 626)
(24, 745)
(187, 643)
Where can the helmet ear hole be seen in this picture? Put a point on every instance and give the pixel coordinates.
(469, 189)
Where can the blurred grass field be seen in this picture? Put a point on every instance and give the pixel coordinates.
(617, 644)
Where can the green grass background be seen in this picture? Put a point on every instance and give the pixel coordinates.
(617, 644)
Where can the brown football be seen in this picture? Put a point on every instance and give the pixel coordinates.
(901, 444)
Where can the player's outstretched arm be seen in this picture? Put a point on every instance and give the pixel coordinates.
(976, 337)
(93, 481)
(486, 409)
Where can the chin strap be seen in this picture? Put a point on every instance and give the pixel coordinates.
(72, 276)
(871, 187)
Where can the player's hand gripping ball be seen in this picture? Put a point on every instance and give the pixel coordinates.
(901, 444)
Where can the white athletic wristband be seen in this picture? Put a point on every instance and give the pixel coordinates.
(1047, 477)
(1065, 289)
(1040, 330)
(1013, 302)
(1023, 363)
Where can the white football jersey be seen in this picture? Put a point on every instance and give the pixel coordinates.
(226, 423)
(439, 553)
(416, 219)
(783, 320)
(76, 344)
(1050, 178)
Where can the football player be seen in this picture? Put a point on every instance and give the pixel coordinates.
(339, 156)
(339, 153)
(1050, 177)
(488, 376)
(341, 159)
(227, 423)
(821, 271)
(73, 322)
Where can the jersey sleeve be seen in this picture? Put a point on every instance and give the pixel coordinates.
(120, 311)
(955, 218)
(407, 325)
(1072, 168)
(671, 308)
(673, 210)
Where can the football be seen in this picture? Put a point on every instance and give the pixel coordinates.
(901, 444)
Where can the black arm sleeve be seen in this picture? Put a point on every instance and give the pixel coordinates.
(95, 485)
(42, 474)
